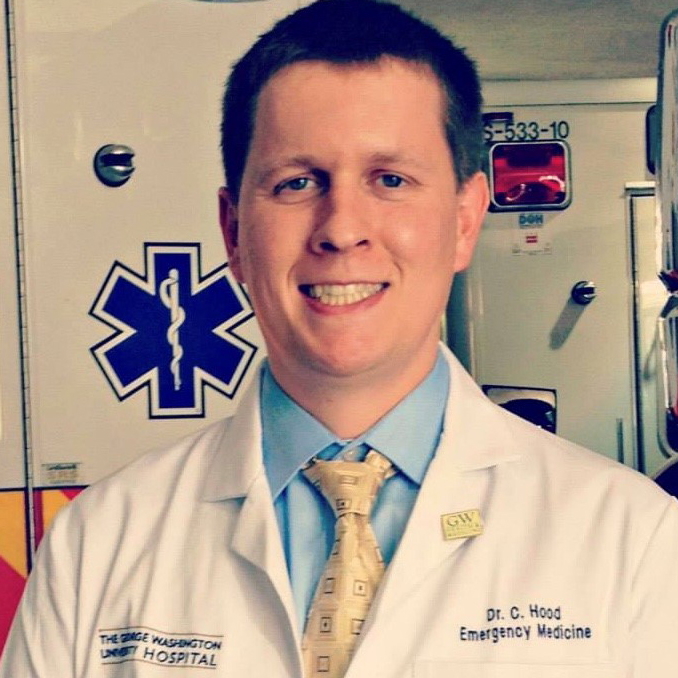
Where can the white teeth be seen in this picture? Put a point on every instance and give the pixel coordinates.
(341, 295)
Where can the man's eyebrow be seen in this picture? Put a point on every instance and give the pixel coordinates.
(381, 158)
(295, 161)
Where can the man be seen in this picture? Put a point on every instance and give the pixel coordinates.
(351, 144)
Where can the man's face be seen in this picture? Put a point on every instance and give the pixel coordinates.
(349, 225)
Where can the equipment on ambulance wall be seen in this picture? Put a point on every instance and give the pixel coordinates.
(667, 229)
(667, 341)
(667, 476)
(536, 405)
(651, 138)
(529, 175)
(113, 164)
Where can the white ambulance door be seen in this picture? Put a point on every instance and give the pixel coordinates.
(129, 345)
(526, 329)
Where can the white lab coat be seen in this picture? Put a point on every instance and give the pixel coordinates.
(174, 566)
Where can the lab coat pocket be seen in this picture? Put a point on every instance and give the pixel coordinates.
(445, 669)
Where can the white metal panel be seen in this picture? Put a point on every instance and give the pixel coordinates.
(147, 74)
(526, 331)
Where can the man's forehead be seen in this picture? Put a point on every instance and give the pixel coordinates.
(384, 63)
(387, 121)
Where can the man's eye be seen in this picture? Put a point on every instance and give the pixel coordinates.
(391, 180)
(296, 184)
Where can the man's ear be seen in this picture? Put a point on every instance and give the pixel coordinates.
(473, 199)
(228, 218)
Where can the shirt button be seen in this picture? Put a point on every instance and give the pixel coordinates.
(351, 455)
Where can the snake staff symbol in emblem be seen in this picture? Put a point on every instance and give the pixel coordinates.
(169, 295)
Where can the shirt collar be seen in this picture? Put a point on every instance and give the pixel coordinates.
(408, 434)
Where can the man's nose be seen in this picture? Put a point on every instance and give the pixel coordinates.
(342, 221)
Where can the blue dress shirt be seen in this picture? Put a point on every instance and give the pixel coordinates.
(408, 435)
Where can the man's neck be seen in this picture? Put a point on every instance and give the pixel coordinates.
(349, 406)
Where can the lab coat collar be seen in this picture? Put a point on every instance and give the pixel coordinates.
(237, 460)
(479, 438)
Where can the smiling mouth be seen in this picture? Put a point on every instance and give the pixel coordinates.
(342, 295)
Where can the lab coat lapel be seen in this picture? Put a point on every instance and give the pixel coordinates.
(457, 480)
(237, 474)
(257, 539)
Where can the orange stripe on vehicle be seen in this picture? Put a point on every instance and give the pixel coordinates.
(52, 502)
(47, 503)
(13, 539)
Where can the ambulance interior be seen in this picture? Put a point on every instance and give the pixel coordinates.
(109, 164)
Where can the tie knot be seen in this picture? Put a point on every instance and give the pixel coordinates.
(350, 486)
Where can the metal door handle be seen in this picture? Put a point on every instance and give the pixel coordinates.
(113, 164)
(583, 292)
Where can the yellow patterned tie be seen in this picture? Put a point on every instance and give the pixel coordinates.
(355, 566)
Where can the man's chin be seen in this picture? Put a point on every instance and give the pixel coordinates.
(336, 362)
(343, 366)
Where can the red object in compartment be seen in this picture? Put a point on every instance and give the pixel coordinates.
(530, 175)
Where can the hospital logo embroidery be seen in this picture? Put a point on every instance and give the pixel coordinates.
(144, 644)
(174, 330)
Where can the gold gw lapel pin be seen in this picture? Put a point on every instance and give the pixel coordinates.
(462, 524)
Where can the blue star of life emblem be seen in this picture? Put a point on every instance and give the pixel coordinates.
(174, 330)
